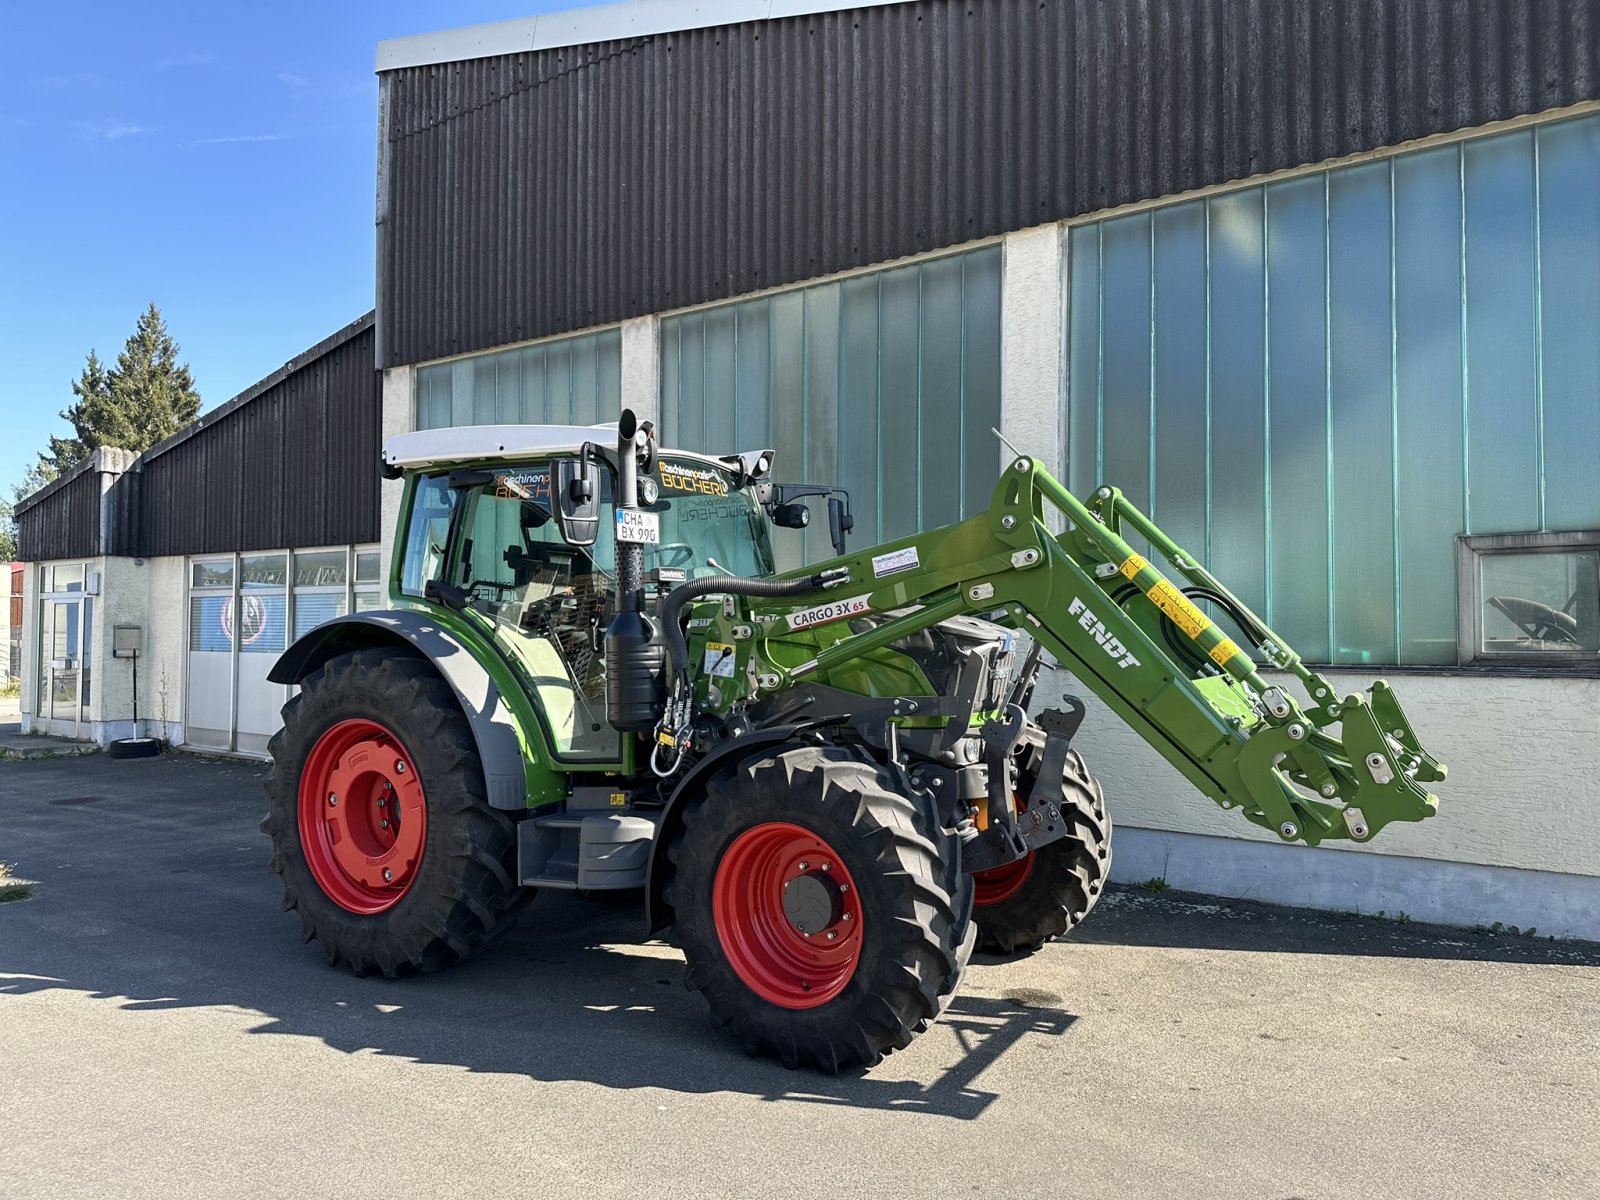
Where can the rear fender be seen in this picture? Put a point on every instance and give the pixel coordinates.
(493, 726)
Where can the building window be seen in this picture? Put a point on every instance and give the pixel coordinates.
(885, 383)
(1529, 599)
(321, 582)
(570, 381)
(1317, 384)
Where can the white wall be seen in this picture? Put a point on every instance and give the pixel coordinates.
(399, 416)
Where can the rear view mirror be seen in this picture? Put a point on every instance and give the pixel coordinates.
(791, 516)
(575, 499)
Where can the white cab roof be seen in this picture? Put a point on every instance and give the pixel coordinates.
(512, 443)
(477, 443)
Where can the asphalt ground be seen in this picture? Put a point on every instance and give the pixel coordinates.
(163, 1032)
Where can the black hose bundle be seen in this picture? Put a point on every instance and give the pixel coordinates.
(671, 609)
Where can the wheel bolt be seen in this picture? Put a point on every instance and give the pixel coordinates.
(333, 801)
(844, 887)
(383, 824)
(832, 935)
(827, 866)
(846, 917)
(388, 875)
(382, 802)
(399, 767)
(804, 865)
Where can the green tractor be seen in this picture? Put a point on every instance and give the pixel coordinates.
(825, 782)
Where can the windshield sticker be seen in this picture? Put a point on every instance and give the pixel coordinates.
(895, 561)
(522, 485)
(680, 477)
(821, 614)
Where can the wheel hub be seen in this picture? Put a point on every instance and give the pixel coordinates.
(812, 902)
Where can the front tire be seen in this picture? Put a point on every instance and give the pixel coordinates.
(1047, 892)
(380, 822)
(823, 914)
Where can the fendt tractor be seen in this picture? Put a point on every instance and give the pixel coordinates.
(825, 782)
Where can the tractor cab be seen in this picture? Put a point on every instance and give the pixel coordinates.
(483, 535)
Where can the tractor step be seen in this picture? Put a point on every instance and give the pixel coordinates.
(585, 851)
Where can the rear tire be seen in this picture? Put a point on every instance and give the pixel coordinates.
(415, 871)
(1045, 895)
(816, 838)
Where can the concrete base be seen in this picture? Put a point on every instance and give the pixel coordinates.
(1445, 893)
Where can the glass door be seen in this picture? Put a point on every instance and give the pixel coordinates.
(61, 666)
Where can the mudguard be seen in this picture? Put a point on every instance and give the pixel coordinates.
(493, 727)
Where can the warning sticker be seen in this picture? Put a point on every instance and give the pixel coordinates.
(1179, 609)
(1223, 651)
(895, 561)
(821, 614)
(719, 660)
(1135, 564)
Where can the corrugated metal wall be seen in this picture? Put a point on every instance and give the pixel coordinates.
(539, 193)
(64, 524)
(1319, 383)
(885, 383)
(294, 463)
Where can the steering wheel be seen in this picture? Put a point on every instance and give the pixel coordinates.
(683, 554)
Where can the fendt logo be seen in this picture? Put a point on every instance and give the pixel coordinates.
(1113, 646)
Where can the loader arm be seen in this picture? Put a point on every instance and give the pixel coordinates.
(1308, 769)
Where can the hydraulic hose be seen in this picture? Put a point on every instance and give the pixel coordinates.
(671, 608)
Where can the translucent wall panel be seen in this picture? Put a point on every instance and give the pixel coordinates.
(574, 381)
(1319, 383)
(886, 384)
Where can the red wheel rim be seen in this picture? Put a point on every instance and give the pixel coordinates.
(999, 884)
(363, 817)
(788, 915)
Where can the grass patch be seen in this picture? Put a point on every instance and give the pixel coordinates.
(12, 888)
(10, 689)
(1156, 883)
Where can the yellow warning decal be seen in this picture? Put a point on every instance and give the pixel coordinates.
(1223, 651)
(1134, 564)
(666, 739)
(1179, 608)
(619, 799)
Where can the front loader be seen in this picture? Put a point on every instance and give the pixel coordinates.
(826, 783)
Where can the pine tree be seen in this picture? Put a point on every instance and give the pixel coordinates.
(147, 395)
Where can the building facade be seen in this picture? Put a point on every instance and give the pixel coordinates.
(1317, 285)
(216, 545)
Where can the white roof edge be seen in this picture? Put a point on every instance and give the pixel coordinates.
(490, 443)
(596, 23)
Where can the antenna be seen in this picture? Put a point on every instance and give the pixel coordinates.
(1006, 442)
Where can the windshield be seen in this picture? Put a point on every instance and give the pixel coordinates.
(708, 527)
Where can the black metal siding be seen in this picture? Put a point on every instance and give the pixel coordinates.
(64, 524)
(295, 464)
(538, 193)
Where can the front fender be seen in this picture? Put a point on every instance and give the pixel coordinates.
(494, 729)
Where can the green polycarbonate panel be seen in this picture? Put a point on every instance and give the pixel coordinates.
(1569, 304)
(1178, 492)
(1237, 460)
(575, 381)
(1502, 368)
(1427, 318)
(1297, 413)
(1395, 353)
(885, 383)
(1083, 356)
(1361, 413)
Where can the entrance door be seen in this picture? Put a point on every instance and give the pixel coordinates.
(61, 666)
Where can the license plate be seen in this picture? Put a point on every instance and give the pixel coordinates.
(636, 525)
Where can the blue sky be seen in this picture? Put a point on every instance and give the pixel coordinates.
(215, 158)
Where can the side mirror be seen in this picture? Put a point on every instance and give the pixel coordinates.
(575, 501)
(791, 516)
(840, 522)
